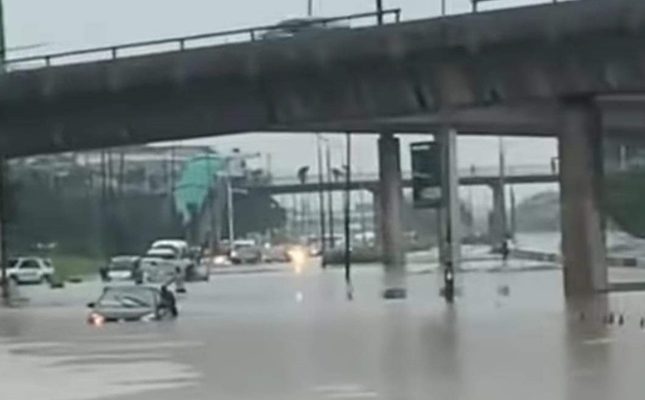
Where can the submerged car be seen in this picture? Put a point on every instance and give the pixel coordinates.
(127, 303)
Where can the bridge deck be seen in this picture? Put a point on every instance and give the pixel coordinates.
(400, 70)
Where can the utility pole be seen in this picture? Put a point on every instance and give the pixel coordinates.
(330, 199)
(502, 183)
(6, 296)
(348, 180)
(310, 8)
(321, 202)
(231, 211)
(3, 41)
(513, 229)
(361, 201)
(3, 186)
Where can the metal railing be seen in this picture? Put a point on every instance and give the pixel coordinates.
(475, 3)
(106, 53)
(471, 172)
(183, 43)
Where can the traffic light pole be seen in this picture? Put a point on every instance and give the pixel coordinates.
(450, 240)
(3, 188)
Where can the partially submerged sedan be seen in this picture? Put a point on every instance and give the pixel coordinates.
(127, 303)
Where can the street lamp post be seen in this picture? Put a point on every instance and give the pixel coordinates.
(3, 188)
(330, 198)
(3, 230)
(310, 8)
(348, 179)
(229, 207)
(321, 202)
(502, 183)
(302, 178)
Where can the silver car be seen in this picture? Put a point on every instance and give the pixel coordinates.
(126, 303)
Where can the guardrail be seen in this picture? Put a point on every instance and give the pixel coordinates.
(183, 43)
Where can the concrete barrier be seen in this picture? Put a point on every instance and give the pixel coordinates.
(629, 262)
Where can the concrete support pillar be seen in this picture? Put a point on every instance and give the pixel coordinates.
(581, 172)
(451, 214)
(391, 195)
(498, 222)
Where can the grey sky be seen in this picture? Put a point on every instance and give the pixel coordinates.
(73, 24)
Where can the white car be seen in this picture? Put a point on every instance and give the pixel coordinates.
(30, 270)
(174, 251)
(160, 265)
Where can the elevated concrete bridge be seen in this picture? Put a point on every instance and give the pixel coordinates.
(572, 70)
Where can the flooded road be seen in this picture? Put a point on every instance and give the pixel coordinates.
(283, 335)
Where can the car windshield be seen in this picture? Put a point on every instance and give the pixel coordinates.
(161, 255)
(167, 247)
(126, 298)
(121, 265)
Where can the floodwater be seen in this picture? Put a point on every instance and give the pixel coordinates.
(292, 334)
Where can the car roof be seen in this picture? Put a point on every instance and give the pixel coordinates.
(160, 251)
(22, 258)
(124, 258)
(170, 242)
(126, 286)
(244, 241)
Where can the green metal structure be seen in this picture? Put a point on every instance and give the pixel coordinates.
(198, 177)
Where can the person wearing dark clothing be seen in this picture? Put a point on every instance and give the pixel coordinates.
(505, 250)
(168, 302)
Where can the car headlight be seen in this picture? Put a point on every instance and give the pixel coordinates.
(234, 253)
(220, 259)
(96, 319)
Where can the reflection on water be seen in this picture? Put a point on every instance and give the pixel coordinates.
(82, 369)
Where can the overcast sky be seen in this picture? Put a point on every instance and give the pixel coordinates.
(72, 24)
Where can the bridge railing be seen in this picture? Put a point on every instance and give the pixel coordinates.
(210, 39)
(253, 34)
(470, 172)
(475, 3)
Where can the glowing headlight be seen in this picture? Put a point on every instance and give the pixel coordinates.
(298, 257)
(96, 319)
(220, 260)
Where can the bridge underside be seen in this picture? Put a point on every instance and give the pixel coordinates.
(622, 115)
(493, 73)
